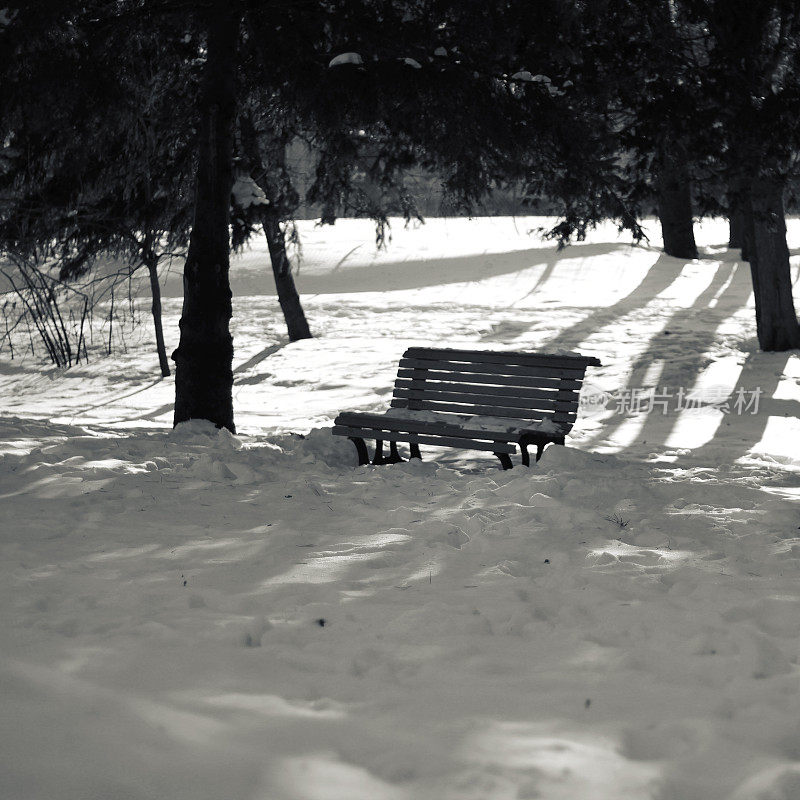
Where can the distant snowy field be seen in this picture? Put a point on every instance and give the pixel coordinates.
(189, 614)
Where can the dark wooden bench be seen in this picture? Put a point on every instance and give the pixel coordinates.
(473, 400)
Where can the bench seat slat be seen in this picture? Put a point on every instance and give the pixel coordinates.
(542, 382)
(575, 373)
(487, 411)
(532, 403)
(478, 356)
(380, 422)
(420, 438)
(505, 391)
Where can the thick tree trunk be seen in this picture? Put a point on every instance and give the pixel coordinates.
(776, 319)
(155, 292)
(675, 207)
(288, 297)
(204, 358)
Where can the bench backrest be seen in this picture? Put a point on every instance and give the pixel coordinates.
(524, 386)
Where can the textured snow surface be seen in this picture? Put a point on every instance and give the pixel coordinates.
(193, 614)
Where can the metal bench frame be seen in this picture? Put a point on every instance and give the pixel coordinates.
(518, 387)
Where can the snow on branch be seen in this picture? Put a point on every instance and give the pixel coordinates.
(346, 58)
(246, 192)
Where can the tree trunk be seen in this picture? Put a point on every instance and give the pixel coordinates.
(288, 297)
(270, 176)
(739, 225)
(204, 358)
(748, 231)
(155, 292)
(776, 319)
(675, 207)
(735, 230)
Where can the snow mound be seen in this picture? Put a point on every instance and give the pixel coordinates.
(559, 458)
(207, 468)
(203, 432)
(194, 431)
(319, 445)
(228, 441)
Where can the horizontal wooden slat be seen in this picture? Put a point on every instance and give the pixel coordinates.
(500, 357)
(536, 382)
(533, 398)
(487, 411)
(575, 373)
(504, 391)
(419, 438)
(531, 403)
(383, 422)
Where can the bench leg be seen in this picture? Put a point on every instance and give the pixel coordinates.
(523, 443)
(378, 459)
(415, 451)
(361, 448)
(394, 455)
(505, 460)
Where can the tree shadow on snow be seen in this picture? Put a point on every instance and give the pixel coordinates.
(750, 432)
(658, 277)
(684, 349)
(419, 273)
(243, 367)
(512, 326)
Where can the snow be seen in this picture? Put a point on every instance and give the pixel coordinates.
(346, 58)
(246, 192)
(475, 422)
(193, 614)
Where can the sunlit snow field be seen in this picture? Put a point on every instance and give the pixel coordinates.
(189, 614)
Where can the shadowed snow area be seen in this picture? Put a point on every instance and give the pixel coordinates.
(192, 614)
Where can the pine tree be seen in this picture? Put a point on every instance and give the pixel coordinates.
(85, 189)
(752, 83)
(638, 66)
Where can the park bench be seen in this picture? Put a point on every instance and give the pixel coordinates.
(495, 401)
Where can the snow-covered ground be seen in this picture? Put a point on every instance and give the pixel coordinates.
(189, 614)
